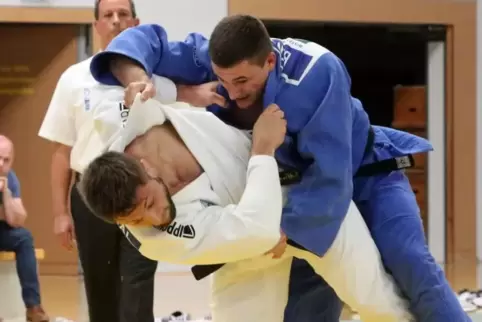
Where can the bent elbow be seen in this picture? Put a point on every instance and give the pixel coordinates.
(267, 238)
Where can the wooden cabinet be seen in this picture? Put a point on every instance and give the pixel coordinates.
(410, 110)
(410, 115)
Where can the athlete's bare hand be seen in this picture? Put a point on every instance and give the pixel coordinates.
(200, 95)
(269, 131)
(146, 88)
(280, 247)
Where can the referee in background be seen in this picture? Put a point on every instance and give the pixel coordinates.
(119, 281)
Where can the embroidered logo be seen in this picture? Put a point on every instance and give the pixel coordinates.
(181, 231)
(87, 99)
(124, 113)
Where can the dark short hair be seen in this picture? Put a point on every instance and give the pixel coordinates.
(238, 38)
(109, 184)
(97, 13)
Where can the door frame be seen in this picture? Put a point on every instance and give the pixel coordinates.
(460, 126)
(72, 16)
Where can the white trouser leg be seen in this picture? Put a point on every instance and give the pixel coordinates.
(353, 268)
(254, 290)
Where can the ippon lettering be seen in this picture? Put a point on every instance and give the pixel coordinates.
(181, 231)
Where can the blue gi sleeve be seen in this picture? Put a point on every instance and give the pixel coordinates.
(325, 190)
(185, 61)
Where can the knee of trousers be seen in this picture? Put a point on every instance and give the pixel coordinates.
(22, 238)
(414, 269)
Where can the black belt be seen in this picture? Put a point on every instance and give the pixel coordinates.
(293, 176)
(383, 166)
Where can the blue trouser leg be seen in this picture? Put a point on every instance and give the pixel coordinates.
(393, 217)
(311, 298)
(20, 241)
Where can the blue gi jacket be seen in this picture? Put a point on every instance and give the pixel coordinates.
(327, 127)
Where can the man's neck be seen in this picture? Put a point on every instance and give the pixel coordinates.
(242, 118)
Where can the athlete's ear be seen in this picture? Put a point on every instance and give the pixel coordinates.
(151, 171)
(271, 61)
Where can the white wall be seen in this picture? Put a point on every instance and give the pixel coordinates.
(181, 17)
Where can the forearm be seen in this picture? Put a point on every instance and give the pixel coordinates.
(13, 210)
(127, 70)
(61, 176)
(252, 227)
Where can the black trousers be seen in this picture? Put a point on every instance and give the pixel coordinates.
(119, 281)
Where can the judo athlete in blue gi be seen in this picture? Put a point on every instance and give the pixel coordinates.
(331, 144)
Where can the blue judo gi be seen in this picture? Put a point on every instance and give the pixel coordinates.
(328, 134)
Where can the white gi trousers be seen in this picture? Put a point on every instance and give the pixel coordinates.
(256, 290)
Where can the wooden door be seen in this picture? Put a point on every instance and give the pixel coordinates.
(32, 58)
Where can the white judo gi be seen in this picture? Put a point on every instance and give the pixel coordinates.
(231, 215)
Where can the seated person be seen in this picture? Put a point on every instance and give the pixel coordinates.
(219, 213)
(14, 237)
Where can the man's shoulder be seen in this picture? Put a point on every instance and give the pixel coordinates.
(299, 59)
(12, 176)
(13, 183)
(77, 71)
(81, 66)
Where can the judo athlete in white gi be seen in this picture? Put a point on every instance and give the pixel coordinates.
(223, 213)
(339, 155)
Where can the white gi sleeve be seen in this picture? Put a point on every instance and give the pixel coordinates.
(166, 91)
(59, 122)
(211, 234)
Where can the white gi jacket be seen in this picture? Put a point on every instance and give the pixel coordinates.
(231, 212)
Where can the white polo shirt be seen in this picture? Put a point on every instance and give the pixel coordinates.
(69, 118)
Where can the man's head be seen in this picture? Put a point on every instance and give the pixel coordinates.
(112, 17)
(120, 189)
(242, 57)
(6, 155)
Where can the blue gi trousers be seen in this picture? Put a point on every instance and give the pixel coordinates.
(388, 205)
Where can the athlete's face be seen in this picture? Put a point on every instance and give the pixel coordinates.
(245, 81)
(114, 17)
(154, 206)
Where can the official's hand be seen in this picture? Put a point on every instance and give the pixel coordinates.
(269, 131)
(64, 230)
(146, 88)
(200, 95)
(280, 247)
(3, 183)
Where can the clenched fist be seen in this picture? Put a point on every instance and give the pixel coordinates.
(269, 131)
(146, 88)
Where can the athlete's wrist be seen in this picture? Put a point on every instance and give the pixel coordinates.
(261, 150)
(183, 93)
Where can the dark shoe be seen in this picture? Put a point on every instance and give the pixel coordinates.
(37, 314)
